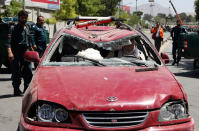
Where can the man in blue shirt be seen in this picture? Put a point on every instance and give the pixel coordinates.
(20, 41)
(40, 35)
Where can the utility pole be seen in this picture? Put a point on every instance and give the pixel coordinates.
(23, 4)
(119, 5)
(136, 6)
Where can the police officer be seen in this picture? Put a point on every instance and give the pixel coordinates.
(40, 35)
(21, 40)
(175, 33)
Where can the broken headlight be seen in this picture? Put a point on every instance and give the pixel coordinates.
(45, 111)
(173, 111)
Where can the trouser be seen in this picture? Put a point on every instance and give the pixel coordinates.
(178, 51)
(158, 43)
(21, 69)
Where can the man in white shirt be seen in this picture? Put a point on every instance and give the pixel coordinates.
(131, 50)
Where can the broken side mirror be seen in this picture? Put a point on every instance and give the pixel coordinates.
(165, 58)
(32, 56)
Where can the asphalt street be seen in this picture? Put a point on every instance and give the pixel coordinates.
(10, 106)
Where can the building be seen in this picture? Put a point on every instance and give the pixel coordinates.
(125, 8)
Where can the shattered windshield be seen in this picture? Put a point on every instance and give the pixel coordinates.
(70, 50)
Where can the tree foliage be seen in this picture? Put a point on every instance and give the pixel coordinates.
(161, 15)
(109, 7)
(67, 10)
(13, 9)
(197, 9)
(72, 8)
(133, 20)
(147, 17)
(88, 7)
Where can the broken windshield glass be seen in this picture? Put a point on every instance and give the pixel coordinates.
(130, 50)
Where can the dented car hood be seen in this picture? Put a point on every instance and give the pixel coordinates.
(89, 88)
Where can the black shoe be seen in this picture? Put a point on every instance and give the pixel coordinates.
(177, 63)
(173, 63)
(17, 92)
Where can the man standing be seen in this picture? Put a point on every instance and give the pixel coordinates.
(158, 36)
(175, 34)
(40, 35)
(20, 41)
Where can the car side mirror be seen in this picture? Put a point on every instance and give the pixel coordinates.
(32, 56)
(165, 58)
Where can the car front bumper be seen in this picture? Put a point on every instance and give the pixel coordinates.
(188, 126)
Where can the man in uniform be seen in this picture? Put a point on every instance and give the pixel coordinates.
(40, 35)
(175, 33)
(20, 41)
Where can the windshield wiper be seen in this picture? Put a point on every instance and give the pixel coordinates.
(147, 69)
(135, 60)
(92, 60)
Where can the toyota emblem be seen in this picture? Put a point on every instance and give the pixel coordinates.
(112, 99)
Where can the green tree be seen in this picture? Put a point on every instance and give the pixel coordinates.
(67, 10)
(13, 9)
(147, 17)
(123, 15)
(109, 7)
(161, 15)
(197, 9)
(138, 13)
(133, 20)
(88, 7)
(183, 16)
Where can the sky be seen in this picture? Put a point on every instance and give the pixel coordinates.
(186, 6)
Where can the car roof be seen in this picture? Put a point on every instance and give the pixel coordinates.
(101, 33)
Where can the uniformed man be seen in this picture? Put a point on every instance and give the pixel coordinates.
(40, 35)
(175, 34)
(21, 40)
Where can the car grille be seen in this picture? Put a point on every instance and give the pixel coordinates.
(114, 119)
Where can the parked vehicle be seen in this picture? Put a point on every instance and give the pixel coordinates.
(4, 30)
(189, 44)
(82, 83)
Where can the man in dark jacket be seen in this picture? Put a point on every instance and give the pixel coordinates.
(175, 34)
(21, 40)
(40, 35)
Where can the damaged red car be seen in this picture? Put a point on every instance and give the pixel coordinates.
(99, 77)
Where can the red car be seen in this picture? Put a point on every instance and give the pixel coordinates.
(95, 77)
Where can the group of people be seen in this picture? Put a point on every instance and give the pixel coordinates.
(158, 36)
(24, 38)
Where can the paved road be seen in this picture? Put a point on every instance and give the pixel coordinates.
(10, 107)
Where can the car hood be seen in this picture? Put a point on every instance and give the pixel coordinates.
(89, 88)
